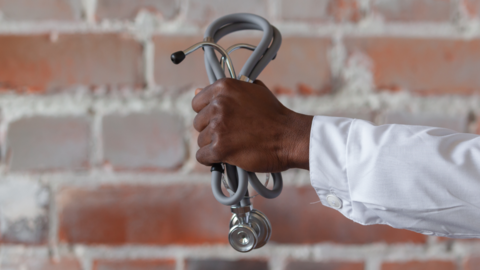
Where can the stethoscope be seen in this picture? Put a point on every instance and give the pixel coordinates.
(249, 228)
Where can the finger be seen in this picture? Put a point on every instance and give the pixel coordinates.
(206, 157)
(258, 82)
(202, 119)
(197, 91)
(205, 138)
(203, 98)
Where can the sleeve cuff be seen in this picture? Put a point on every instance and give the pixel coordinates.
(328, 162)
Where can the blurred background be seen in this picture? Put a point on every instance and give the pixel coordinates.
(98, 168)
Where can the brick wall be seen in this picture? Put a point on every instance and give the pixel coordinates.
(97, 149)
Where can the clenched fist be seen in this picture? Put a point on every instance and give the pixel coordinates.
(244, 124)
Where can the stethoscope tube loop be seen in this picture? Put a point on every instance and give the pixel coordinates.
(232, 23)
(262, 190)
(237, 195)
(241, 179)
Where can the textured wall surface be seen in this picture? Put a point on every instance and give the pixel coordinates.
(98, 169)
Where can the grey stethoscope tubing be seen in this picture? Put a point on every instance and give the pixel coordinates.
(262, 54)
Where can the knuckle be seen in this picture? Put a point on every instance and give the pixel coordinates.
(225, 85)
(217, 124)
(222, 83)
(218, 106)
(214, 124)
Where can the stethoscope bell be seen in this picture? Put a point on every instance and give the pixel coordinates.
(249, 229)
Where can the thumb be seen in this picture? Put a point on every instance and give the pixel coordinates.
(197, 91)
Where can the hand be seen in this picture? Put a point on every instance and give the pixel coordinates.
(244, 124)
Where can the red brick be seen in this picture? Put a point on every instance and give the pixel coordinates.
(36, 63)
(280, 90)
(161, 215)
(44, 143)
(320, 10)
(295, 221)
(345, 10)
(301, 63)
(302, 265)
(189, 74)
(140, 141)
(28, 10)
(419, 265)
(472, 263)
(415, 10)
(24, 215)
(134, 265)
(305, 10)
(127, 9)
(458, 122)
(203, 12)
(426, 66)
(216, 264)
(472, 7)
(33, 263)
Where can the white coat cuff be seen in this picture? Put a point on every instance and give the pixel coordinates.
(328, 162)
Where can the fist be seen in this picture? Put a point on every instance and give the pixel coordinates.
(245, 125)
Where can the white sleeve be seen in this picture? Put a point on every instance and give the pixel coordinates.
(423, 179)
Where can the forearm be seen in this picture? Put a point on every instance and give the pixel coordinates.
(418, 178)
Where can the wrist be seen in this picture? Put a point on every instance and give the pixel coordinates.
(298, 141)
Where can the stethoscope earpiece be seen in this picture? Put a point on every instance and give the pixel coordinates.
(249, 228)
(177, 57)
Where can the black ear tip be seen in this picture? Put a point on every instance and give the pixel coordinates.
(177, 57)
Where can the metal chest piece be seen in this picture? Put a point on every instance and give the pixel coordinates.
(249, 229)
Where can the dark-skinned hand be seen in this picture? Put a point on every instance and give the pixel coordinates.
(245, 125)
